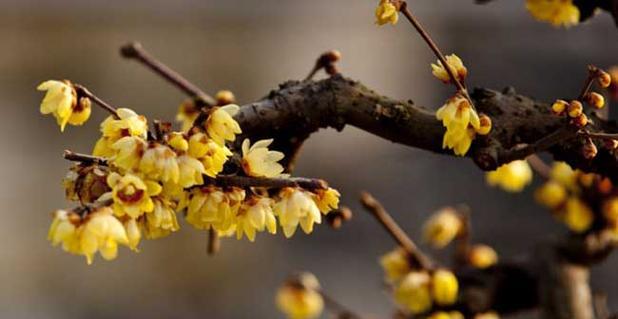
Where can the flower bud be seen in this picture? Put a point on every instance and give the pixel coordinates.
(225, 97)
(604, 79)
(559, 107)
(575, 109)
(485, 125)
(444, 287)
(551, 194)
(482, 256)
(580, 121)
(596, 100)
(589, 150)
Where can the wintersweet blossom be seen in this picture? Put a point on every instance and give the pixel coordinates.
(301, 300)
(294, 207)
(131, 194)
(221, 125)
(259, 161)
(456, 65)
(61, 101)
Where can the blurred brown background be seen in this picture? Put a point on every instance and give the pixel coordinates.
(250, 47)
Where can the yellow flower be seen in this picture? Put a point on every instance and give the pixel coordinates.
(161, 221)
(128, 152)
(212, 155)
(134, 235)
(221, 125)
(103, 147)
(482, 256)
(327, 199)
(190, 171)
(210, 207)
(562, 173)
(63, 231)
(259, 161)
(102, 232)
(455, 64)
(61, 101)
(395, 264)
(444, 287)
(301, 301)
(128, 123)
(187, 113)
(461, 122)
(556, 12)
(442, 227)
(178, 142)
(413, 292)
(295, 207)
(577, 216)
(552, 194)
(131, 194)
(159, 163)
(512, 177)
(255, 215)
(386, 12)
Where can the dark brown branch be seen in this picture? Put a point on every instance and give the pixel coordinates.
(310, 184)
(521, 125)
(84, 92)
(377, 210)
(214, 243)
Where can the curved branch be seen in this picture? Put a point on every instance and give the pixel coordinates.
(521, 125)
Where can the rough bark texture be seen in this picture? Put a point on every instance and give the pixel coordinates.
(556, 278)
(521, 125)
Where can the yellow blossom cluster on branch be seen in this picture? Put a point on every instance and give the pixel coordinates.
(458, 115)
(574, 197)
(137, 181)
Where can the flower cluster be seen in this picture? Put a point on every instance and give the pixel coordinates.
(137, 182)
(458, 115)
(574, 110)
(447, 225)
(512, 177)
(418, 290)
(556, 12)
(584, 202)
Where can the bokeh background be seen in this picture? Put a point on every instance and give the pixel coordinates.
(250, 47)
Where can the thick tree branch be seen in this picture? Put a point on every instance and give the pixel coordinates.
(521, 125)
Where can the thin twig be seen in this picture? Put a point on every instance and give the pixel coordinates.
(605, 136)
(339, 310)
(378, 211)
(592, 74)
(539, 166)
(83, 91)
(135, 50)
(214, 244)
(432, 45)
(84, 158)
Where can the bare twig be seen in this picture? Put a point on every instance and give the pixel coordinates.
(378, 211)
(83, 91)
(214, 243)
(310, 184)
(135, 50)
(84, 158)
(539, 166)
(339, 310)
(436, 50)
